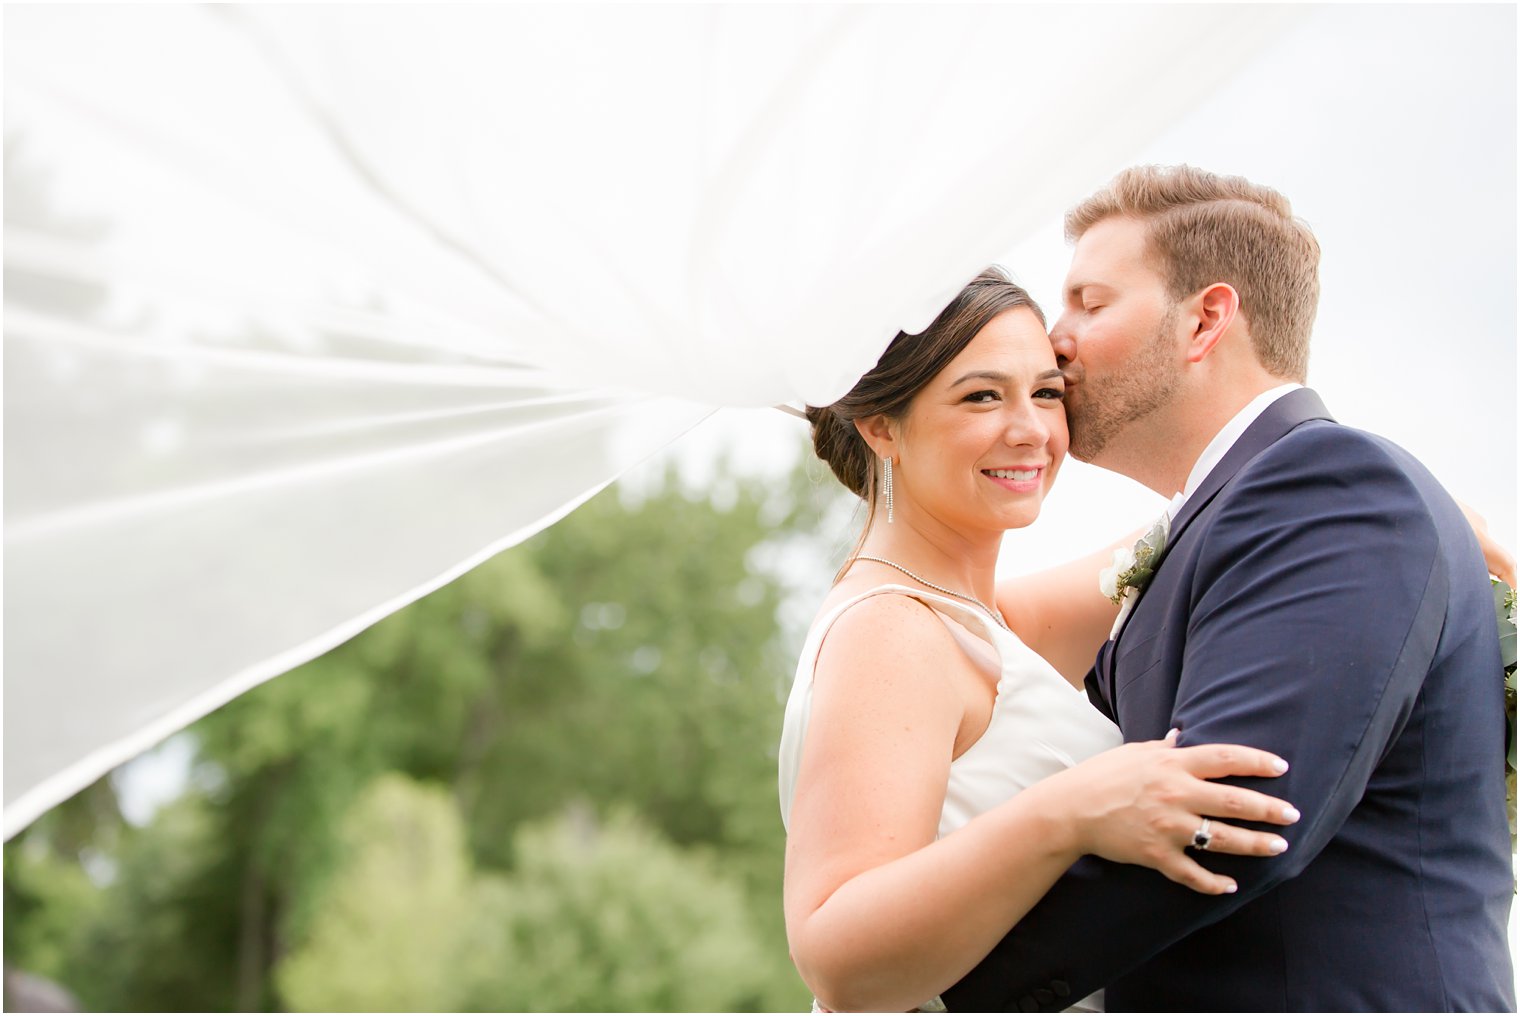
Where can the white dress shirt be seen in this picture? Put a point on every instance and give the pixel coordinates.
(1216, 449)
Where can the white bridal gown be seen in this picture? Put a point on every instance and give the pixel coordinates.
(1040, 724)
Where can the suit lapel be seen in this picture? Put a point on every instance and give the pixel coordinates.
(1297, 407)
(1100, 681)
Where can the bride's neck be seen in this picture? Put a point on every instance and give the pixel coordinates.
(942, 556)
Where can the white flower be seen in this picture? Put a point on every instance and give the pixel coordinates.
(1133, 567)
(1160, 532)
(1108, 578)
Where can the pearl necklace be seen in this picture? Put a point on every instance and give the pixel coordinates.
(941, 589)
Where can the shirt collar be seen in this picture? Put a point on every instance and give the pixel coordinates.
(1225, 440)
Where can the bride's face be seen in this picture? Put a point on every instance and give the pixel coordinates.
(980, 445)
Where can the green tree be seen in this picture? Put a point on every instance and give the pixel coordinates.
(593, 917)
(159, 924)
(599, 917)
(630, 657)
(394, 920)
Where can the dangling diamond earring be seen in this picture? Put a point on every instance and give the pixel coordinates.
(886, 484)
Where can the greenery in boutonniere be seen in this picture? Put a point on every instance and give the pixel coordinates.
(1132, 569)
(1504, 606)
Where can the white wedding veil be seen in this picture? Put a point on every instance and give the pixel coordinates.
(308, 309)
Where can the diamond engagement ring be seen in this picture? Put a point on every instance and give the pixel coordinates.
(1202, 837)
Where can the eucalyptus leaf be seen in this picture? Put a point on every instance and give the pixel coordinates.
(1504, 606)
(1504, 610)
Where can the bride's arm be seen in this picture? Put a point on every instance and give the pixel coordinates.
(1059, 612)
(881, 915)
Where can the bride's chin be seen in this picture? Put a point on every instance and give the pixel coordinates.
(1008, 523)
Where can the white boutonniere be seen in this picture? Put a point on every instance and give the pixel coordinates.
(1124, 580)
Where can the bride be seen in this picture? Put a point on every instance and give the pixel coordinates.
(940, 767)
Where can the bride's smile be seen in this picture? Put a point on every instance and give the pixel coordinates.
(1019, 481)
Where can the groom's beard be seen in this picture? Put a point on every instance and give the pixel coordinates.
(1100, 407)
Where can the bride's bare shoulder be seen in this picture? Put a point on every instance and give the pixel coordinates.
(854, 587)
(883, 630)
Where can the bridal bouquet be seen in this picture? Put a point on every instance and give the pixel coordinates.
(1504, 605)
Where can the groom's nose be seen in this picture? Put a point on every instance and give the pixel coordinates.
(1063, 344)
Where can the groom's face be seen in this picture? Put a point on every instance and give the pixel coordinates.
(1116, 340)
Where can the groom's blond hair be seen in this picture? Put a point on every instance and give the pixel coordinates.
(1204, 228)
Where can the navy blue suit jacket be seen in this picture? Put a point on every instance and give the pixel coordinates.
(1323, 598)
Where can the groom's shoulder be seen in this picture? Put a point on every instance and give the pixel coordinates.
(1323, 469)
(1347, 455)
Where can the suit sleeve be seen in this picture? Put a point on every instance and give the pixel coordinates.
(1316, 567)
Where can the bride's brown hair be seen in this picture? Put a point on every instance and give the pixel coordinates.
(909, 363)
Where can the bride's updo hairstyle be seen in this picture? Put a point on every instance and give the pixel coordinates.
(910, 363)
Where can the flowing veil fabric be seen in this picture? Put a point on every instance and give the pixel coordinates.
(310, 309)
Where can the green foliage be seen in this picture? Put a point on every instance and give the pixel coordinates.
(592, 918)
(48, 901)
(614, 917)
(165, 900)
(1504, 611)
(345, 819)
(394, 918)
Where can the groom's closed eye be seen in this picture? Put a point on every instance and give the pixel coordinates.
(1087, 296)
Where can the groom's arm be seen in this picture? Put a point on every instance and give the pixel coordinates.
(1311, 579)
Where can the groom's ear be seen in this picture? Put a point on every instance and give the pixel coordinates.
(879, 434)
(1214, 309)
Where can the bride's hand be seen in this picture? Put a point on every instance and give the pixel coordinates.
(1142, 803)
(1500, 561)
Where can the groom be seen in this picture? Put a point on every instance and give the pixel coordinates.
(1319, 596)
